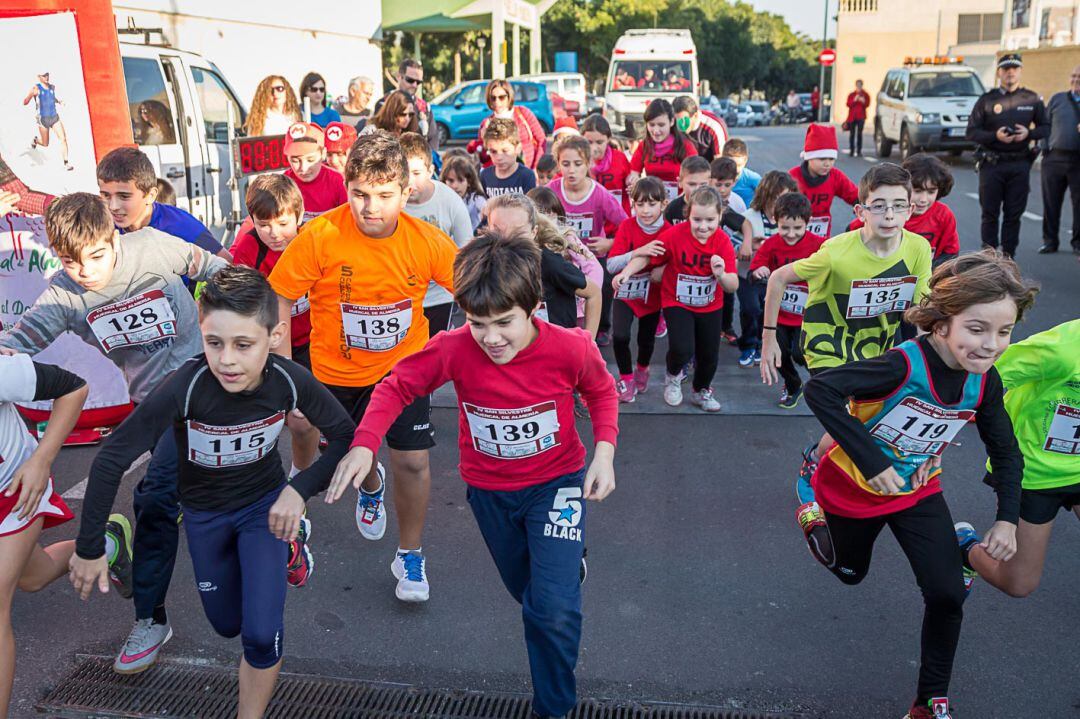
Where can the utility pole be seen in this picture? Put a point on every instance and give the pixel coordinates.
(821, 76)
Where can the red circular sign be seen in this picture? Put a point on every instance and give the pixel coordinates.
(827, 57)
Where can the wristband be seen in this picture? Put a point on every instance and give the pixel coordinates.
(769, 327)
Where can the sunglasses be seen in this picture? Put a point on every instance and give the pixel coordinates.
(278, 88)
(501, 96)
(318, 89)
(411, 80)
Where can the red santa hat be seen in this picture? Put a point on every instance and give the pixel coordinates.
(566, 125)
(820, 142)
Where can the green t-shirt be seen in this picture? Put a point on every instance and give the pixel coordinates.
(856, 299)
(1042, 376)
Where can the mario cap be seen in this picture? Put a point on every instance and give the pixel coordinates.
(566, 125)
(303, 137)
(339, 137)
(820, 142)
(1010, 59)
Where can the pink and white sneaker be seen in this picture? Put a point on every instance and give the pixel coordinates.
(627, 390)
(641, 379)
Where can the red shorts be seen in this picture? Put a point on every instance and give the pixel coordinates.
(51, 507)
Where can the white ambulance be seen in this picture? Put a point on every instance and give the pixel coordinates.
(645, 65)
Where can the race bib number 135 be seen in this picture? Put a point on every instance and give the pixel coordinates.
(870, 298)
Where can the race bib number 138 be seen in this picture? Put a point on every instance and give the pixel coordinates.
(377, 328)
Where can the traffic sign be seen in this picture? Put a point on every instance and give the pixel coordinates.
(827, 57)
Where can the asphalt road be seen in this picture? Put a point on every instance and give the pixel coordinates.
(700, 588)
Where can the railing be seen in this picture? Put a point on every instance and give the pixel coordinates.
(851, 6)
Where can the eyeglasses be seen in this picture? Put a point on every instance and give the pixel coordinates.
(278, 88)
(411, 80)
(881, 208)
(318, 89)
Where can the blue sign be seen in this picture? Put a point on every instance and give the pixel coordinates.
(566, 62)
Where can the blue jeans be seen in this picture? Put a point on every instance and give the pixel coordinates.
(240, 572)
(536, 536)
(157, 510)
(751, 311)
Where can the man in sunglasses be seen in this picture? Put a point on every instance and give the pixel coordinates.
(410, 79)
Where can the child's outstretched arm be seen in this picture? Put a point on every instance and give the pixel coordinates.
(774, 292)
(597, 388)
(593, 305)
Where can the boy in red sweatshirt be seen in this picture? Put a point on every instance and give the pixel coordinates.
(520, 452)
(820, 181)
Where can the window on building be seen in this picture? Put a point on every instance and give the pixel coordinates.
(858, 5)
(1021, 13)
(975, 28)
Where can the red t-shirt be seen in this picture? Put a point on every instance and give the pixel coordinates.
(688, 278)
(774, 253)
(835, 184)
(613, 179)
(516, 424)
(937, 225)
(663, 167)
(628, 237)
(245, 251)
(325, 192)
(857, 109)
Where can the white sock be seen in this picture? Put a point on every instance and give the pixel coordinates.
(418, 550)
(372, 492)
(110, 546)
(294, 471)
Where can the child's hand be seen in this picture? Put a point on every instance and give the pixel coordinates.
(649, 249)
(8, 200)
(746, 251)
(85, 574)
(600, 479)
(286, 513)
(353, 467)
(770, 358)
(1000, 541)
(716, 262)
(761, 273)
(600, 245)
(922, 474)
(618, 281)
(30, 481)
(888, 482)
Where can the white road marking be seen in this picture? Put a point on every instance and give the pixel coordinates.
(869, 158)
(79, 490)
(747, 138)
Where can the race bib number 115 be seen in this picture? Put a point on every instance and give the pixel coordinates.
(215, 446)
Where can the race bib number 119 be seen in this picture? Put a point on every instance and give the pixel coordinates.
(918, 427)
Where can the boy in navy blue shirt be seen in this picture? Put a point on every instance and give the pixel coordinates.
(127, 183)
(505, 175)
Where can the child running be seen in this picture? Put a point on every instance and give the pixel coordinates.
(697, 257)
(28, 502)
(790, 243)
(1042, 376)
(858, 285)
(520, 452)
(639, 296)
(459, 174)
(127, 298)
(366, 267)
(661, 153)
(609, 164)
(819, 180)
(226, 409)
(892, 416)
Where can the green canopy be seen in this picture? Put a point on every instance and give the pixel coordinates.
(442, 15)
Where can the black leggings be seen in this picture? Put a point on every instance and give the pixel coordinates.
(855, 130)
(728, 312)
(790, 341)
(622, 320)
(607, 295)
(693, 335)
(925, 533)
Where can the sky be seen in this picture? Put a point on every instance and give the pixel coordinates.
(803, 16)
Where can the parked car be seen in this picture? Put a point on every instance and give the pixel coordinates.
(724, 108)
(459, 110)
(806, 108)
(753, 114)
(568, 85)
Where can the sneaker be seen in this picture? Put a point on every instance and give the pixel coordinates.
(661, 328)
(301, 561)
(603, 339)
(746, 358)
(936, 708)
(641, 379)
(811, 519)
(705, 400)
(687, 371)
(965, 537)
(626, 391)
(142, 646)
(411, 572)
(809, 466)
(729, 336)
(789, 400)
(119, 528)
(757, 357)
(580, 410)
(370, 510)
(673, 389)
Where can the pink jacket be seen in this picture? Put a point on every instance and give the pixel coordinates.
(531, 132)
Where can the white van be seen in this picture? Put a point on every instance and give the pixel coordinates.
(567, 85)
(180, 105)
(645, 65)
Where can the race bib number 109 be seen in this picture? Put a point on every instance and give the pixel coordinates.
(870, 298)
(136, 320)
(513, 433)
(215, 446)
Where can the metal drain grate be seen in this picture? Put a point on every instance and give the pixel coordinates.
(177, 689)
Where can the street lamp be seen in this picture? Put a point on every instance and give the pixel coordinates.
(481, 43)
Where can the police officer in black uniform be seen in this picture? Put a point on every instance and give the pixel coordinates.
(1004, 122)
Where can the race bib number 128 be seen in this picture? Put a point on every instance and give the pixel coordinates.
(136, 320)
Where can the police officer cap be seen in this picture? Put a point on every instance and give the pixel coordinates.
(1010, 59)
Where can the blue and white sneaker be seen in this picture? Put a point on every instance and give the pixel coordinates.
(966, 536)
(370, 510)
(757, 357)
(746, 358)
(411, 571)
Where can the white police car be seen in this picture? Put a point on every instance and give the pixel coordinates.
(925, 105)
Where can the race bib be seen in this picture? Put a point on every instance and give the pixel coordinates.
(581, 223)
(300, 307)
(134, 321)
(214, 446)
(870, 298)
(918, 427)
(377, 328)
(694, 290)
(794, 299)
(1064, 433)
(819, 226)
(513, 433)
(635, 288)
(672, 189)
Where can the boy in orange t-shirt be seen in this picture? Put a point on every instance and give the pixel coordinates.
(365, 267)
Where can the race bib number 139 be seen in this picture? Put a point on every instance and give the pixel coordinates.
(136, 320)
(513, 433)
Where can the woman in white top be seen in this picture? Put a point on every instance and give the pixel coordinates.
(274, 108)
